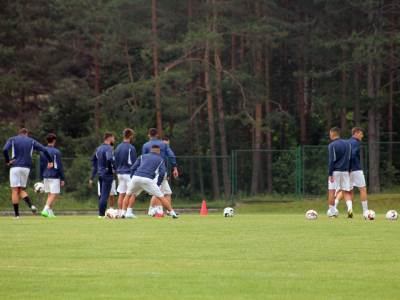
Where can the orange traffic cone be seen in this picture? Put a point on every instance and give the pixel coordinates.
(203, 210)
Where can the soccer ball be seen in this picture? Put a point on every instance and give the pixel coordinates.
(311, 215)
(332, 213)
(229, 212)
(392, 215)
(369, 215)
(38, 187)
(112, 213)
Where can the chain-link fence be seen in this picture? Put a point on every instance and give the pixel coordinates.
(300, 171)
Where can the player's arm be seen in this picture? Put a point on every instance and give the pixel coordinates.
(60, 169)
(172, 159)
(110, 161)
(133, 153)
(145, 149)
(43, 165)
(6, 149)
(331, 153)
(39, 147)
(94, 169)
(136, 165)
(161, 173)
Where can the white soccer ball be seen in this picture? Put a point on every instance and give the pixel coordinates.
(332, 213)
(369, 215)
(38, 187)
(229, 212)
(311, 215)
(112, 213)
(392, 215)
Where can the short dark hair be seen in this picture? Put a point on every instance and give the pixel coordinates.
(50, 138)
(165, 138)
(128, 133)
(153, 132)
(107, 135)
(155, 147)
(335, 130)
(355, 130)
(23, 131)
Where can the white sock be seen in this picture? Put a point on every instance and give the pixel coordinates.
(364, 205)
(336, 202)
(349, 204)
(129, 210)
(123, 212)
(172, 213)
(47, 208)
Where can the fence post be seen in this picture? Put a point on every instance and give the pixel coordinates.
(233, 176)
(298, 171)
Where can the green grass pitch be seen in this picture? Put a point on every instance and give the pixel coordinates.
(250, 256)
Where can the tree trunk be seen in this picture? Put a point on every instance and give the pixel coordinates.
(157, 87)
(233, 51)
(220, 106)
(373, 146)
(390, 104)
(97, 88)
(128, 61)
(211, 124)
(343, 113)
(357, 113)
(268, 111)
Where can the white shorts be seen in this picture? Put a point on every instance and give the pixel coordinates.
(357, 179)
(138, 184)
(164, 187)
(19, 177)
(113, 191)
(341, 181)
(52, 185)
(123, 181)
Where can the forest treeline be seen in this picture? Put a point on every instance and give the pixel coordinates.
(214, 75)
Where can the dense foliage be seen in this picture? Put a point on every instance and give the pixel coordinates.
(215, 75)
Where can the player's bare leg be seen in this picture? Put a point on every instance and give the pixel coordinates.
(15, 191)
(331, 201)
(363, 198)
(168, 206)
(111, 201)
(121, 197)
(349, 202)
(338, 197)
(24, 195)
(48, 209)
(127, 205)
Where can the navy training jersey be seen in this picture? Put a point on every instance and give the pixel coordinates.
(57, 172)
(125, 157)
(339, 156)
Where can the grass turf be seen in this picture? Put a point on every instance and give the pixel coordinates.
(250, 256)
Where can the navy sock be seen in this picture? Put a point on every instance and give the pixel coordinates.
(28, 201)
(16, 209)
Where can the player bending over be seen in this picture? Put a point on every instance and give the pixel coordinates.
(357, 178)
(146, 168)
(20, 163)
(339, 166)
(103, 163)
(53, 179)
(168, 156)
(125, 157)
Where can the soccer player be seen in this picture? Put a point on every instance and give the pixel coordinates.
(339, 166)
(357, 178)
(53, 178)
(168, 155)
(125, 157)
(103, 163)
(20, 163)
(146, 168)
